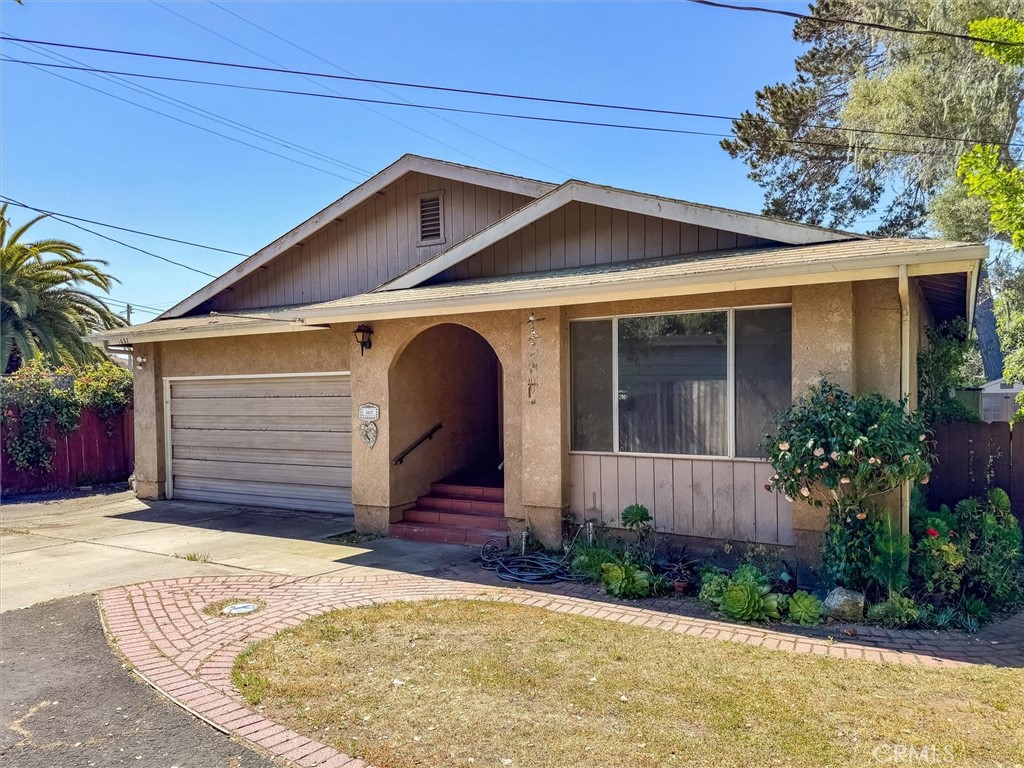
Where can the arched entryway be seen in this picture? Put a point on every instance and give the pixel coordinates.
(448, 375)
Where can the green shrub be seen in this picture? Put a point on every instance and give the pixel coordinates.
(847, 550)
(804, 608)
(588, 558)
(746, 601)
(890, 555)
(842, 451)
(896, 612)
(625, 580)
(34, 396)
(968, 555)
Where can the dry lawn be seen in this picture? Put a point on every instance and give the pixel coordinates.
(458, 683)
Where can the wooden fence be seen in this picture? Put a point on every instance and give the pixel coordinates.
(97, 451)
(970, 458)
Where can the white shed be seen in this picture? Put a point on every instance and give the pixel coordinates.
(999, 400)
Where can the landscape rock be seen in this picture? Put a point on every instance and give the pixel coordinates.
(845, 605)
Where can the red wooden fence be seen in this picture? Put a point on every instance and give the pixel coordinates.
(97, 451)
(970, 458)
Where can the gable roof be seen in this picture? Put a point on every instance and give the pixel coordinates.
(712, 272)
(406, 164)
(789, 232)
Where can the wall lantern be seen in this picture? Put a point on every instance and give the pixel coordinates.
(363, 334)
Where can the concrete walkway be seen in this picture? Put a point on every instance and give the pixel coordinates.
(63, 546)
(166, 636)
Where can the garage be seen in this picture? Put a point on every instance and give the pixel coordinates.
(271, 441)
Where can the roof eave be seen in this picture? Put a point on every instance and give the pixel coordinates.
(955, 259)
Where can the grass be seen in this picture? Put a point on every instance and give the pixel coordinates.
(480, 683)
(194, 557)
(354, 537)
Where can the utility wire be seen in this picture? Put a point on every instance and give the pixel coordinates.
(321, 85)
(199, 111)
(41, 65)
(122, 229)
(473, 92)
(135, 307)
(509, 115)
(867, 24)
(111, 239)
(381, 88)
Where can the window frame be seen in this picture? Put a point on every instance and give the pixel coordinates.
(730, 381)
(443, 238)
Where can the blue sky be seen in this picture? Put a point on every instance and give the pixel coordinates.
(66, 148)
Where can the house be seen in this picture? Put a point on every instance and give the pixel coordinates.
(453, 353)
(999, 400)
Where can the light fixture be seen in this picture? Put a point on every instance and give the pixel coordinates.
(363, 334)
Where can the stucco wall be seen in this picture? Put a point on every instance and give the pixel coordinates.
(877, 337)
(298, 352)
(847, 331)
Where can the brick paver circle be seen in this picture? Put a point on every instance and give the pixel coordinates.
(161, 629)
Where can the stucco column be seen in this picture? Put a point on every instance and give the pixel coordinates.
(149, 422)
(824, 344)
(542, 401)
(371, 490)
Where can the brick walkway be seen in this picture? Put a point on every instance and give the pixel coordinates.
(162, 631)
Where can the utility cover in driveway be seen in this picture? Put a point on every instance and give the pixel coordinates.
(263, 441)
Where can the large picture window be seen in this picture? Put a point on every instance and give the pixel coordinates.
(693, 383)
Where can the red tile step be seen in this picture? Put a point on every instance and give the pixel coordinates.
(445, 533)
(461, 504)
(488, 521)
(455, 514)
(468, 491)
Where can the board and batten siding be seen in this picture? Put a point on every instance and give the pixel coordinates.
(710, 498)
(374, 243)
(581, 234)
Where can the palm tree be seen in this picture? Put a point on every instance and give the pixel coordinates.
(44, 310)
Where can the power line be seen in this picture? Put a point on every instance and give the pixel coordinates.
(380, 87)
(867, 24)
(41, 65)
(111, 239)
(123, 229)
(321, 85)
(508, 115)
(464, 91)
(117, 302)
(196, 110)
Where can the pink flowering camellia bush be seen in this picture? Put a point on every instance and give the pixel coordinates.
(842, 451)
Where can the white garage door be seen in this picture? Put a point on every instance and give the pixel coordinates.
(274, 441)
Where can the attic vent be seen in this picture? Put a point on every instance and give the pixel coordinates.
(431, 221)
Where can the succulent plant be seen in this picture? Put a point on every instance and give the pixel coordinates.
(749, 602)
(712, 587)
(805, 608)
(625, 580)
(749, 574)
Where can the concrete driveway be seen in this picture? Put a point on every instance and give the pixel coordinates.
(58, 547)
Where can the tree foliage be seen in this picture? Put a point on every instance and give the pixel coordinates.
(44, 309)
(854, 133)
(885, 124)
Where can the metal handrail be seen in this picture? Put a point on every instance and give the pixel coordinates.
(428, 435)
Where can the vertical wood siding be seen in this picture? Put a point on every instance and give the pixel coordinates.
(581, 234)
(377, 242)
(713, 498)
(372, 244)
